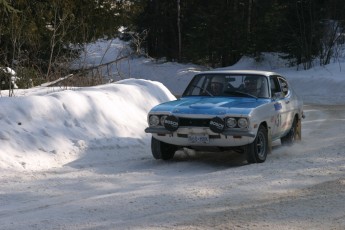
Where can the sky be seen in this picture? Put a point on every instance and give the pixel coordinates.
(68, 153)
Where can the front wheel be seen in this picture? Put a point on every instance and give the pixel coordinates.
(257, 151)
(161, 150)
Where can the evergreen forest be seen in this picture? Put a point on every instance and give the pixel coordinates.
(39, 38)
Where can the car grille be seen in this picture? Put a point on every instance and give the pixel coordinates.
(194, 122)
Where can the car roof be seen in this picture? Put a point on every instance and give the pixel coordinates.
(257, 72)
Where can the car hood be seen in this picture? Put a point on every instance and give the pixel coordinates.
(211, 106)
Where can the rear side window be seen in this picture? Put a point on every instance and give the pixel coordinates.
(279, 85)
(275, 86)
(284, 86)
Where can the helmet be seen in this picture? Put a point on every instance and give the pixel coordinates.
(217, 85)
(252, 81)
(218, 79)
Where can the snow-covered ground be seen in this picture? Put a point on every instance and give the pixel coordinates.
(80, 159)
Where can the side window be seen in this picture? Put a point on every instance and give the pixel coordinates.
(284, 86)
(275, 86)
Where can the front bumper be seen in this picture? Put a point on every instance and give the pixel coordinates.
(162, 130)
(228, 138)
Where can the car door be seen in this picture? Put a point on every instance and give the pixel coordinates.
(278, 107)
(287, 113)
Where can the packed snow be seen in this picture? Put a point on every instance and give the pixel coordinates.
(78, 158)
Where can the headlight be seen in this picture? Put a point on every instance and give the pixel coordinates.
(242, 123)
(231, 122)
(153, 120)
(162, 119)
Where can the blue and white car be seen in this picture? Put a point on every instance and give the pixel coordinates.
(233, 109)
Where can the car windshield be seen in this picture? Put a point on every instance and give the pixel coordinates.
(236, 85)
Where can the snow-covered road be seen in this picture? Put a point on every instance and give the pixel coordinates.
(114, 187)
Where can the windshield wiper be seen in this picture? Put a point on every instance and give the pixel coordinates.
(203, 90)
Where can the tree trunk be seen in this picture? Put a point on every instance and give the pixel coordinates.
(179, 29)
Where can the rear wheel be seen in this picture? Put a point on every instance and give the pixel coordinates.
(161, 150)
(290, 137)
(257, 151)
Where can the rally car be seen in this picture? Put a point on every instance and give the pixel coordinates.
(233, 109)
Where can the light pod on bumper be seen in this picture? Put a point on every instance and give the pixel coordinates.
(217, 124)
(171, 123)
(162, 119)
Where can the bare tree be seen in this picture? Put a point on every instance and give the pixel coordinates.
(59, 31)
(137, 41)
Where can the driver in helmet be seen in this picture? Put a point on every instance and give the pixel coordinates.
(217, 85)
(251, 85)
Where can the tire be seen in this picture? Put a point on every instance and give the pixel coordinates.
(257, 151)
(161, 150)
(290, 137)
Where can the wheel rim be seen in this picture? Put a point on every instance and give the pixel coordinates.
(261, 146)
